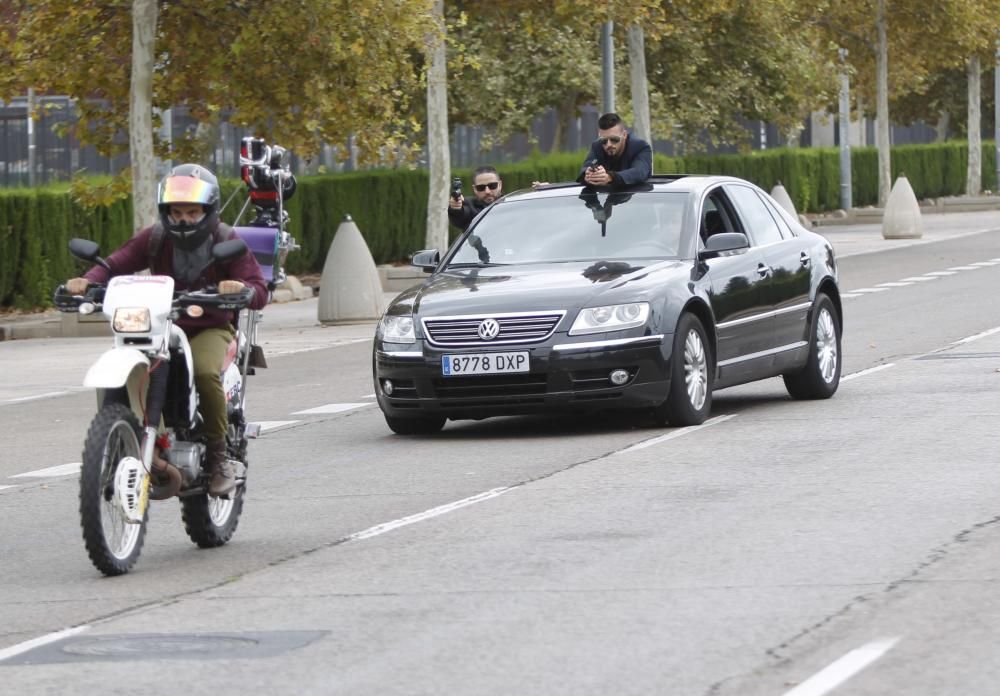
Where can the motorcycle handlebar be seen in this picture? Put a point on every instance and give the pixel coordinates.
(209, 297)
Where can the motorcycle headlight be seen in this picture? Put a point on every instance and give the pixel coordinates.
(610, 318)
(397, 329)
(131, 320)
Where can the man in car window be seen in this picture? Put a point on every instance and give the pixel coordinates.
(487, 186)
(616, 158)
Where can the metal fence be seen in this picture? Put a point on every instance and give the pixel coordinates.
(60, 157)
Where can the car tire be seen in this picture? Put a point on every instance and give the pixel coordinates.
(820, 376)
(417, 425)
(689, 399)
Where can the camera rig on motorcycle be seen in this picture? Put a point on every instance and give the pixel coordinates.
(270, 183)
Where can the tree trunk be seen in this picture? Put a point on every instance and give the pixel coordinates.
(438, 154)
(882, 109)
(974, 177)
(640, 85)
(140, 120)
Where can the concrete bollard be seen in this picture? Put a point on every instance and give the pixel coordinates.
(349, 289)
(901, 218)
(781, 197)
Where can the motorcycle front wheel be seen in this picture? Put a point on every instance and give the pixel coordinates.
(113, 530)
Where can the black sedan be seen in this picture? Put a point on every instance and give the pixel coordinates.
(574, 298)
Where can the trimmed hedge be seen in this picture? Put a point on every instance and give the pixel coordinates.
(390, 206)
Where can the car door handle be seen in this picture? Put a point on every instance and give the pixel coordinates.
(804, 259)
(763, 271)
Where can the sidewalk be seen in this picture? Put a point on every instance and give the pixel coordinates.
(300, 317)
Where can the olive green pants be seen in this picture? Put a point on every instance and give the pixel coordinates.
(208, 350)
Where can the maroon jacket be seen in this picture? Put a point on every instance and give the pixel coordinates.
(133, 256)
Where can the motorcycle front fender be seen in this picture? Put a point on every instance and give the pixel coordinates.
(114, 368)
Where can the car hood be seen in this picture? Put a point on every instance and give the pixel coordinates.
(536, 287)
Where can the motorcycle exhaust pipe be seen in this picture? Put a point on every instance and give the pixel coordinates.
(166, 479)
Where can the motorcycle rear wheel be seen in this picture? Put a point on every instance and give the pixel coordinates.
(113, 543)
(211, 522)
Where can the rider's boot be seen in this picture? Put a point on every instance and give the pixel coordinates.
(221, 470)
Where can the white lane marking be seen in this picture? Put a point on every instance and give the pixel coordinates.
(38, 642)
(940, 273)
(919, 279)
(896, 284)
(368, 396)
(61, 470)
(869, 290)
(271, 352)
(835, 674)
(964, 268)
(984, 263)
(271, 425)
(976, 337)
(870, 370)
(2, 487)
(46, 395)
(328, 408)
(849, 295)
(675, 434)
(426, 514)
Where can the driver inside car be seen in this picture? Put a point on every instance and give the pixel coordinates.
(179, 245)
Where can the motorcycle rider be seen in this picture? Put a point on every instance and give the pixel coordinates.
(180, 245)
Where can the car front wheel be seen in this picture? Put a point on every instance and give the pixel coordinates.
(820, 377)
(689, 399)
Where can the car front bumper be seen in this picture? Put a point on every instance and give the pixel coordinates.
(566, 374)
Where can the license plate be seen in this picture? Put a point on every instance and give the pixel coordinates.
(484, 363)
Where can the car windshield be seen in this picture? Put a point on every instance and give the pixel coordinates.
(588, 226)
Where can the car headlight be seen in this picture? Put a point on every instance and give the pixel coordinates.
(610, 318)
(396, 329)
(131, 320)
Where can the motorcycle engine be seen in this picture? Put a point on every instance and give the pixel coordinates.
(186, 456)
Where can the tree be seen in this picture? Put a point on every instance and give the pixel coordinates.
(438, 153)
(302, 73)
(510, 62)
(141, 114)
(639, 82)
(718, 65)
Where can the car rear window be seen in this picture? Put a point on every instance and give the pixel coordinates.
(567, 228)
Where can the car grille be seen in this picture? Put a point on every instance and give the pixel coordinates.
(514, 328)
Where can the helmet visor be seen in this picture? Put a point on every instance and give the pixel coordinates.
(185, 189)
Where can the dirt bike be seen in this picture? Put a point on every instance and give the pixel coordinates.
(145, 379)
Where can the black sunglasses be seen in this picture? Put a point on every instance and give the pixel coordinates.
(492, 186)
(613, 138)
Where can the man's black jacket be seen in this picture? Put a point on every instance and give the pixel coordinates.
(633, 166)
(462, 217)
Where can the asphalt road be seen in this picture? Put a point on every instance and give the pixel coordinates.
(782, 548)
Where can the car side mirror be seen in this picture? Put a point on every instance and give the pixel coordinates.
(229, 250)
(427, 260)
(722, 242)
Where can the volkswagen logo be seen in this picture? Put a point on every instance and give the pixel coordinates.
(488, 329)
